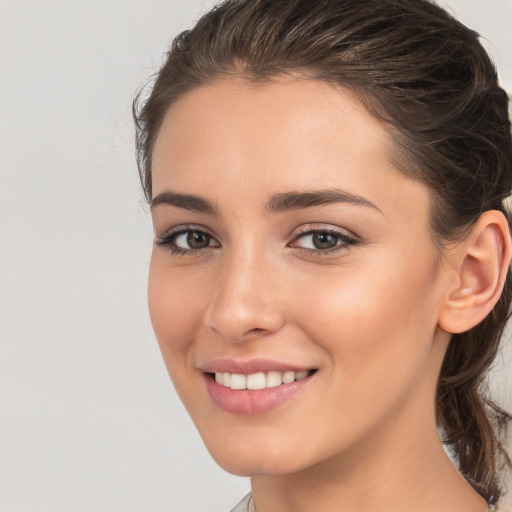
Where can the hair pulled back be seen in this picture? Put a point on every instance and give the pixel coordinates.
(429, 80)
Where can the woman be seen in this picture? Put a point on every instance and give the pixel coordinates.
(330, 275)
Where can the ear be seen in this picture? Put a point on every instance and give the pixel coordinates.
(480, 263)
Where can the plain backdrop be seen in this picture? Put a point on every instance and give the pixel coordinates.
(89, 421)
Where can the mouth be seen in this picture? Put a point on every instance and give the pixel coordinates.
(259, 380)
(258, 392)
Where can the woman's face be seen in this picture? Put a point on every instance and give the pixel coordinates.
(289, 249)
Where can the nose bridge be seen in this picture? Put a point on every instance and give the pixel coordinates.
(244, 304)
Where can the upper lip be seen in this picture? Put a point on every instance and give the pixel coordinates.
(246, 367)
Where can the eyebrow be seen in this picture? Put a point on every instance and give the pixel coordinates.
(298, 200)
(186, 201)
(278, 203)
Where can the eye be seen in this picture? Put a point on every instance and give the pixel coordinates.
(192, 240)
(187, 240)
(321, 241)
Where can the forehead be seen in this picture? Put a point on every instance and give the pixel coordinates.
(267, 111)
(288, 134)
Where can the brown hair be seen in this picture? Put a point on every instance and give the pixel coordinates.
(429, 80)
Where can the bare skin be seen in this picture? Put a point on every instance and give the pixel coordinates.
(244, 269)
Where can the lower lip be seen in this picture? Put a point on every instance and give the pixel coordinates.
(252, 402)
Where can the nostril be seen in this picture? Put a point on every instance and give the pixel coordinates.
(256, 330)
(236, 321)
(254, 333)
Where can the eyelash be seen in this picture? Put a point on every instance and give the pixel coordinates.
(344, 241)
(169, 239)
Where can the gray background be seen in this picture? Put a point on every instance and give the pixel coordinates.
(88, 418)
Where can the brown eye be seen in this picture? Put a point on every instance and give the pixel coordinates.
(191, 240)
(187, 241)
(197, 240)
(319, 240)
(322, 240)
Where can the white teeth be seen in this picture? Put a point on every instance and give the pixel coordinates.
(238, 381)
(288, 377)
(274, 379)
(256, 381)
(260, 380)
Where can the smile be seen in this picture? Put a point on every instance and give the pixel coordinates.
(257, 392)
(259, 380)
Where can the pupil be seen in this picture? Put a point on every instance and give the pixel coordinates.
(324, 240)
(197, 240)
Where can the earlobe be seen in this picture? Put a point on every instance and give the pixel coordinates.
(481, 262)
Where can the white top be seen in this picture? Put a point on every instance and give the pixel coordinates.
(243, 506)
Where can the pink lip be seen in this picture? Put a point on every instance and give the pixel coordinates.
(249, 366)
(250, 402)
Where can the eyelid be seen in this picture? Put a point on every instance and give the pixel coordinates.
(325, 228)
(348, 238)
(168, 237)
(181, 228)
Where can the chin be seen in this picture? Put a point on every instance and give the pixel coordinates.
(248, 467)
(257, 456)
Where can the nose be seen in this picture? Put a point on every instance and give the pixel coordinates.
(245, 304)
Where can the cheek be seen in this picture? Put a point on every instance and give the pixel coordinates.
(175, 299)
(374, 318)
(376, 328)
